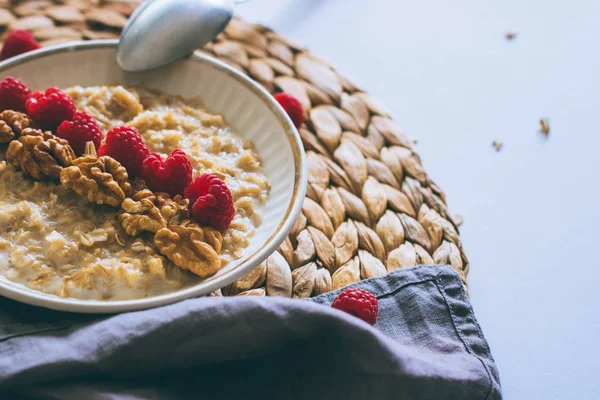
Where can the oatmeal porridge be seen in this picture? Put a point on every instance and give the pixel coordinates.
(56, 241)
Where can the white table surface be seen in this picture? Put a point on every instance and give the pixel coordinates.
(532, 211)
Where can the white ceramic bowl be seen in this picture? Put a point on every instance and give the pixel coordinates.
(246, 106)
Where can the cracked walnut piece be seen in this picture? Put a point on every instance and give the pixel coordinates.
(148, 211)
(191, 247)
(11, 125)
(101, 179)
(40, 154)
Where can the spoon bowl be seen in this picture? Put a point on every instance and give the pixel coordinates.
(162, 31)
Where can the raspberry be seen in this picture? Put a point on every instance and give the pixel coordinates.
(172, 175)
(126, 145)
(210, 201)
(359, 303)
(50, 108)
(13, 94)
(18, 42)
(292, 107)
(82, 129)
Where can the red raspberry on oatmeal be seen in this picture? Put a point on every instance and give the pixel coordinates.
(171, 175)
(50, 108)
(82, 129)
(13, 94)
(125, 145)
(210, 201)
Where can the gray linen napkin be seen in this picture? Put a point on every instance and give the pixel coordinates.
(426, 345)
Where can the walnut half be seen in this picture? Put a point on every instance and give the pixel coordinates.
(101, 179)
(148, 211)
(191, 247)
(40, 154)
(11, 125)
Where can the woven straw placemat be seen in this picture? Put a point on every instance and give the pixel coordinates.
(370, 206)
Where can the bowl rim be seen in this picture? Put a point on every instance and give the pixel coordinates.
(19, 292)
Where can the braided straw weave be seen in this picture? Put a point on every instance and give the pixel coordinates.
(370, 206)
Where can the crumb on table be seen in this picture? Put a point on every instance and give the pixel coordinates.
(545, 126)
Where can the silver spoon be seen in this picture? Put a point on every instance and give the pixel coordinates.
(162, 31)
